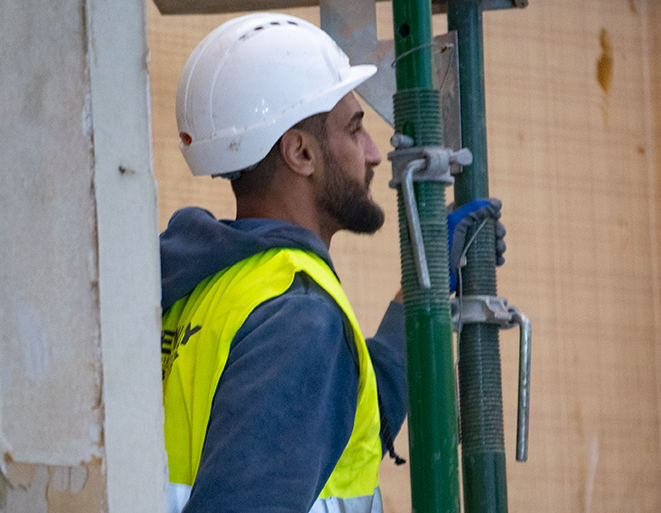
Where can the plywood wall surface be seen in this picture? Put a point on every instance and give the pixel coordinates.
(573, 96)
(55, 489)
(568, 110)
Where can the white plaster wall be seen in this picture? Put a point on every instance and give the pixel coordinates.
(129, 268)
(50, 381)
(80, 390)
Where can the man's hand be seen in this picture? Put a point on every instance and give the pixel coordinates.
(469, 215)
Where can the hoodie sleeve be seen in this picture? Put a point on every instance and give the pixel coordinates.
(388, 354)
(283, 410)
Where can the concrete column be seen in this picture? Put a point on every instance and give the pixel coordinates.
(80, 391)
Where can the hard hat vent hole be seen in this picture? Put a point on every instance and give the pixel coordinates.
(293, 23)
(185, 138)
(275, 23)
(259, 28)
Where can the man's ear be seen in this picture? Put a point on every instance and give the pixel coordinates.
(300, 150)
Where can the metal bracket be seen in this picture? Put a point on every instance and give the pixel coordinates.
(495, 310)
(417, 164)
(437, 161)
(229, 6)
(352, 24)
(441, 6)
(482, 309)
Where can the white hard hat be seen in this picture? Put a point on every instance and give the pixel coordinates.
(251, 80)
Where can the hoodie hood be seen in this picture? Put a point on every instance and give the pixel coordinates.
(196, 245)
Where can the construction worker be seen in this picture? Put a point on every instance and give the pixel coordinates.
(273, 399)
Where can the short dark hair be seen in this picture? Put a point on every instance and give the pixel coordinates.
(316, 125)
(253, 182)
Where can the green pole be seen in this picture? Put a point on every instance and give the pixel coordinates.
(480, 388)
(433, 433)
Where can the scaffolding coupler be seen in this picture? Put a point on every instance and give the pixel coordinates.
(421, 164)
(495, 310)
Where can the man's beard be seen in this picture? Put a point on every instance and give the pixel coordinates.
(346, 200)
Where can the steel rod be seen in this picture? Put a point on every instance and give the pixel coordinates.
(433, 433)
(480, 387)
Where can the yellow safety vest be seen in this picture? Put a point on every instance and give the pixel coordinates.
(197, 333)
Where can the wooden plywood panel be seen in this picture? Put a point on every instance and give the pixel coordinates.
(572, 156)
(569, 155)
(43, 489)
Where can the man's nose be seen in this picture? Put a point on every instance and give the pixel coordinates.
(372, 155)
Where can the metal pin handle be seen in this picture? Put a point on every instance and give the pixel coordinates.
(523, 415)
(415, 230)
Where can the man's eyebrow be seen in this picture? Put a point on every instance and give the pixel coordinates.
(357, 117)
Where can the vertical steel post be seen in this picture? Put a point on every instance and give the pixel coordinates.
(483, 447)
(433, 434)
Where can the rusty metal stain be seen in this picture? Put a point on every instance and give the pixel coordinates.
(605, 62)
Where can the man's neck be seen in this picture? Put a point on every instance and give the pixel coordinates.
(305, 216)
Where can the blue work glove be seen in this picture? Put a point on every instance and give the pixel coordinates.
(460, 220)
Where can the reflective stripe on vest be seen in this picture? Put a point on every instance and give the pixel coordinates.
(197, 334)
(178, 495)
(363, 504)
